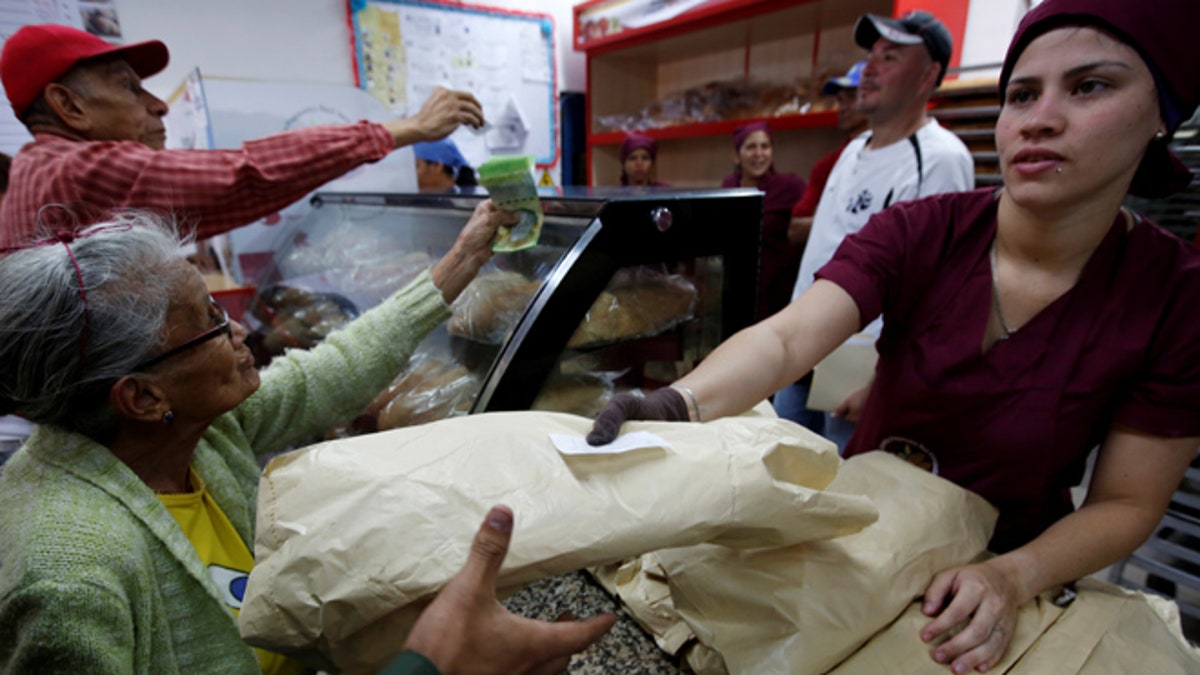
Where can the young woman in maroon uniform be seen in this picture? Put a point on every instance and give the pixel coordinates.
(1023, 326)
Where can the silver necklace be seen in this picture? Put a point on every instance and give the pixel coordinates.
(1005, 333)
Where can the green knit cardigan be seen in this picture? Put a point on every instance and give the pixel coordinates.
(95, 575)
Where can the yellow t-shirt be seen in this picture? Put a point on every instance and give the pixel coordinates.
(224, 554)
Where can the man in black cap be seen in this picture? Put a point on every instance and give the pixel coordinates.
(906, 155)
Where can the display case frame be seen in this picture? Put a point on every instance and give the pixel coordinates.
(624, 228)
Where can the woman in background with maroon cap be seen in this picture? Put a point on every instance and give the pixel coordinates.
(754, 166)
(1023, 327)
(638, 156)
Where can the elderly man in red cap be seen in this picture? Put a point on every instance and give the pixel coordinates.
(98, 143)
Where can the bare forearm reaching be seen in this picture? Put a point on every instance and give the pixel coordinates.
(777, 351)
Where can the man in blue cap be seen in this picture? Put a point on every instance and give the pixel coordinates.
(905, 155)
(850, 122)
(441, 167)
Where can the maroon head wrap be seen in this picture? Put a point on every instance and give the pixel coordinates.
(743, 132)
(638, 142)
(1162, 36)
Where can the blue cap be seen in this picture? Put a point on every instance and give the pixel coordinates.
(848, 81)
(444, 152)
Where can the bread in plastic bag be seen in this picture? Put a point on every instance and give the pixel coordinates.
(638, 304)
(490, 306)
(430, 389)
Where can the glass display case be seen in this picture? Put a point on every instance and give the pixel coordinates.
(625, 290)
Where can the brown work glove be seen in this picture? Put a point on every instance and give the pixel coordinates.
(664, 404)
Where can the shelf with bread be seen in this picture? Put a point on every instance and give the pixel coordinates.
(690, 81)
(620, 292)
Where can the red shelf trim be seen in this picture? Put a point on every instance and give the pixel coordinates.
(705, 16)
(827, 118)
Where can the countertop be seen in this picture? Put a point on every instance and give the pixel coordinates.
(626, 649)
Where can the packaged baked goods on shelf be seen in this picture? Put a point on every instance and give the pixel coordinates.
(713, 101)
(621, 291)
(690, 78)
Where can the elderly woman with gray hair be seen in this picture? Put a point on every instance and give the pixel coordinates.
(126, 519)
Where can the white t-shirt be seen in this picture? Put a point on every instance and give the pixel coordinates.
(864, 182)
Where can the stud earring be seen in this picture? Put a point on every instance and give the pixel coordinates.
(1159, 135)
(169, 416)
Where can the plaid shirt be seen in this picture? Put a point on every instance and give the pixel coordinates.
(213, 191)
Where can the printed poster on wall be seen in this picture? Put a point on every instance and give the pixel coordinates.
(406, 48)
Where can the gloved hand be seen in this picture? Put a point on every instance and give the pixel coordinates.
(664, 404)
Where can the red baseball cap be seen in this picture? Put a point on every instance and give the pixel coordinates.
(37, 55)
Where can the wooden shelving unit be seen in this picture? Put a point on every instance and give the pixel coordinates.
(969, 108)
(796, 42)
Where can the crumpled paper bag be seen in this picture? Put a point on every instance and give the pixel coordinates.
(354, 534)
(1106, 630)
(804, 608)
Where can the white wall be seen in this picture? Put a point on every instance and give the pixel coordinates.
(309, 40)
(990, 26)
(300, 40)
(570, 63)
(303, 40)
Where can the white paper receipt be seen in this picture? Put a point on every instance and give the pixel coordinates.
(636, 440)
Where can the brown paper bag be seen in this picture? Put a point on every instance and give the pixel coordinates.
(1107, 630)
(804, 608)
(351, 530)
(796, 610)
(823, 599)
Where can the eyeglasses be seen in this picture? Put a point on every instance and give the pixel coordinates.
(223, 328)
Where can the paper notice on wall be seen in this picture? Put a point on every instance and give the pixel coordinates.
(407, 48)
(99, 17)
(187, 120)
(384, 59)
(535, 66)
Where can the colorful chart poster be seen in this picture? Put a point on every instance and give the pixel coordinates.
(406, 48)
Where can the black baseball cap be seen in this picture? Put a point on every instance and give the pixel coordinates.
(913, 28)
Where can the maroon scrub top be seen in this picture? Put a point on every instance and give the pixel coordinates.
(779, 260)
(1016, 424)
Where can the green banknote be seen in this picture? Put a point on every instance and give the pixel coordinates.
(509, 183)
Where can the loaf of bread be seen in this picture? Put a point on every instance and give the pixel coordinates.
(636, 304)
(490, 306)
(582, 395)
(431, 389)
(647, 304)
(297, 318)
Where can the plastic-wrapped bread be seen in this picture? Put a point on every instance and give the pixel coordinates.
(430, 389)
(490, 306)
(576, 394)
(648, 305)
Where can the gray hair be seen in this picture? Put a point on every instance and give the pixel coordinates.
(128, 267)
